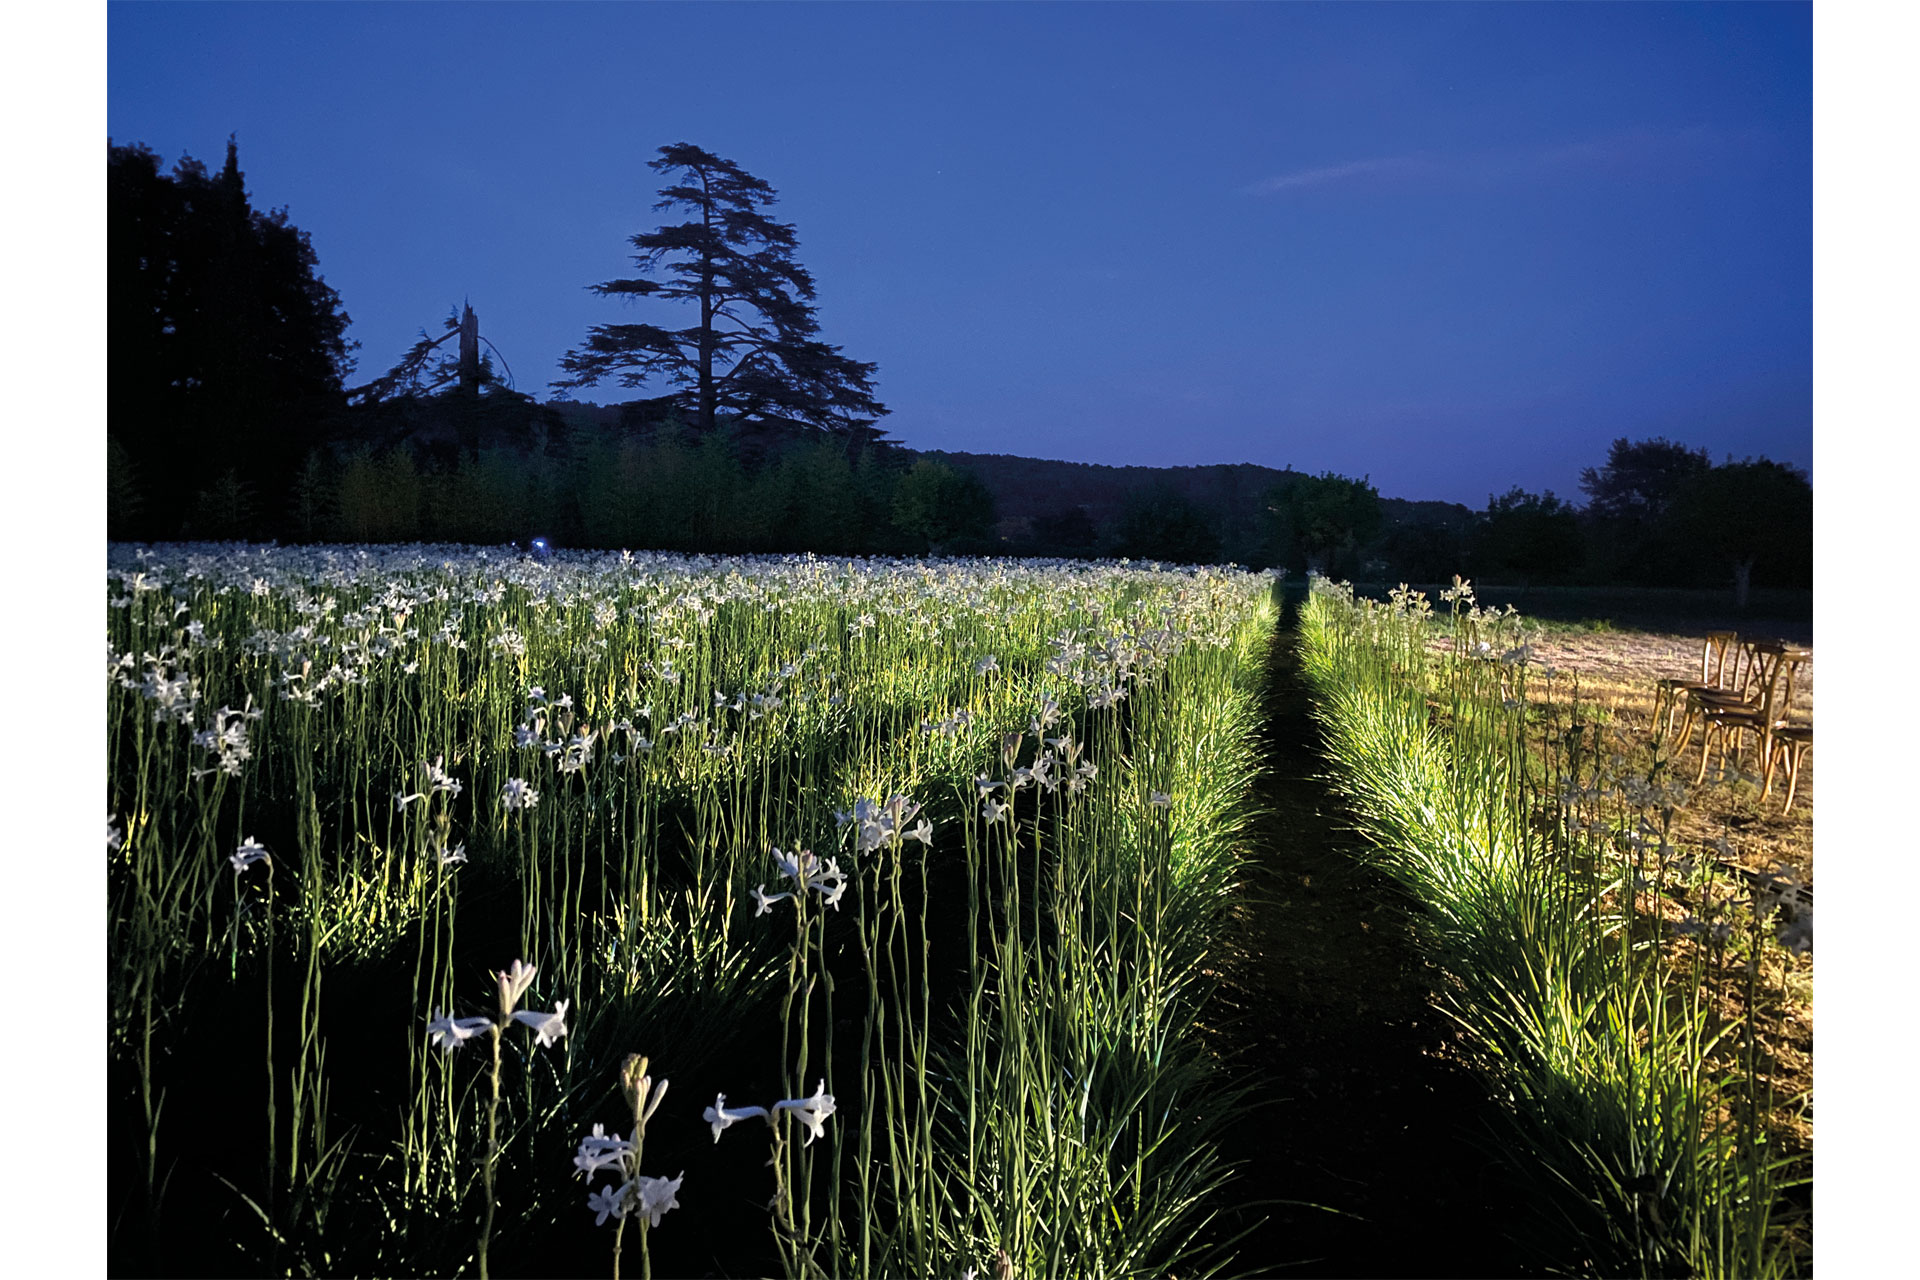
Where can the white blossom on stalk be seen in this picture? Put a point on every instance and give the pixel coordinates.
(657, 1195)
(813, 1112)
(599, 1152)
(249, 852)
(548, 1027)
(802, 862)
(1009, 748)
(514, 983)
(439, 780)
(766, 900)
(518, 795)
(449, 1033)
(721, 1118)
(608, 1201)
(113, 835)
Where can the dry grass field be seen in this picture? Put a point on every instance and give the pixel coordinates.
(1618, 671)
(1614, 673)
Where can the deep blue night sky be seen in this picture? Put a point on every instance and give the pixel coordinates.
(1453, 247)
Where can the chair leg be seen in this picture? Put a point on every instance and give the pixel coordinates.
(1706, 750)
(1676, 710)
(1686, 734)
(1795, 751)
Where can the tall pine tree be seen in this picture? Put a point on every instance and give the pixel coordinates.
(752, 352)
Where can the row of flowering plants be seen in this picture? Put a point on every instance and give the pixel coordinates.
(907, 866)
(1588, 955)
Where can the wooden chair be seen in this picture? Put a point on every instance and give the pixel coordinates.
(1759, 709)
(1791, 744)
(1739, 690)
(1670, 693)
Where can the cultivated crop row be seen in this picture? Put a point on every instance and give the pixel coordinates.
(1607, 978)
(431, 870)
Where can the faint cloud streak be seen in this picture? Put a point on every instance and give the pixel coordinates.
(1635, 149)
(1320, 177)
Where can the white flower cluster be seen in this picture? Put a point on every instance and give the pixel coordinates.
(601, 1152)
(878, 825)
(437, 782)
(226, 739)
(806, 872)
(1056, 764)
(450, 1032)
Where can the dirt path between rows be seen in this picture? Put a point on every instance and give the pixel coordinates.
(1361, 1114)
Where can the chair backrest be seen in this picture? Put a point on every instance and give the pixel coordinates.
(1765, 665)
(1719, 646)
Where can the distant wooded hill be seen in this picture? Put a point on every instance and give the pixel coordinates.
(1232, 495)
(1049, 507)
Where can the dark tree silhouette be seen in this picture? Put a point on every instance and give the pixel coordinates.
(1161, 523)
(1427, 548)
(1640, 480)
(445, 400)
(940, 506)
(1068, 532)
(1325, 515)
(752, 352)
(1741, 514)
(226, 351)
(1629, 503)
(1533, 535)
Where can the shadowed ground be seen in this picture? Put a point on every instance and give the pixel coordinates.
(1362, 1113)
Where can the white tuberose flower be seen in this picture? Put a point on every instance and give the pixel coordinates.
(610, 1200)
(813, 1111)
(598, 1151)
(518, 795)
(514, 983)
(720, 1118)
(657, 1195)
(450, 1033)
(249, 852)
(548, 1027)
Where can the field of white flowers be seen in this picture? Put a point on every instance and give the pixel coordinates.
(431, 869)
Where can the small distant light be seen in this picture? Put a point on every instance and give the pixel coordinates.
(540, 545)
